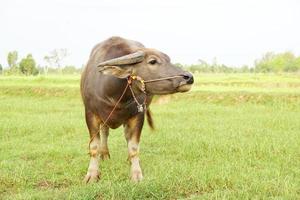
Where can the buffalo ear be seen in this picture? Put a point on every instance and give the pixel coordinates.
(119, 72)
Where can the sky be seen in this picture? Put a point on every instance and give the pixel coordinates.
(235, 32)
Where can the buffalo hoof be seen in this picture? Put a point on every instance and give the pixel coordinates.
(136, 176)
(92, 177)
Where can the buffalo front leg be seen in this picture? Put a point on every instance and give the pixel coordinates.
(103, 149)
(133, 130)
(93, 124)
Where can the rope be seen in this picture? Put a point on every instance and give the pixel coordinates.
(129, 82)
(140, 106)
(161, 79)
(117, 103)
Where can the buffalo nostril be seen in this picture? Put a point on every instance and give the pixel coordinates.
(189, 78)
(186, 77)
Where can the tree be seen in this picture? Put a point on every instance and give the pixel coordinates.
(294, 66)
(281, 62)
(1, 69)
(12, 58)
(69, 70)
(28, 66)
(55, 58)
(245, 68)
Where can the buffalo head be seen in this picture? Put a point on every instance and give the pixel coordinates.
(150, 64)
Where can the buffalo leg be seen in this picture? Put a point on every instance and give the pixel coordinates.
(103, 149)
(133, 130)
(93, 123)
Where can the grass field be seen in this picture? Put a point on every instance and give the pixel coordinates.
(234, 136)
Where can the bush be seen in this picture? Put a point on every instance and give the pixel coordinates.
(28, 66)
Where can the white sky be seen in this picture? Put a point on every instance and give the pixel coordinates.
(234, 31)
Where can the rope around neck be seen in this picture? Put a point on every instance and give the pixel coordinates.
(140, 107)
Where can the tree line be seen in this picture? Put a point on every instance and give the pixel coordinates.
(269, 62)
(28, 66)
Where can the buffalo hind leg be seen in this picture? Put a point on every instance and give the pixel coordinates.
(133, 130)
(93, 124)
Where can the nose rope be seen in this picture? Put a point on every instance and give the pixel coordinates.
(161, 79)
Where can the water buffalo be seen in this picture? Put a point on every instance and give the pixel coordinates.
(117, 86)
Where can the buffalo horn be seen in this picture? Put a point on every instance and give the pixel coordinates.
(125, 60)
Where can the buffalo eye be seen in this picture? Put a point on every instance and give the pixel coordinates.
(152, 62)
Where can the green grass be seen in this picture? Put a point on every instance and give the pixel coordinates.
(233, 136)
